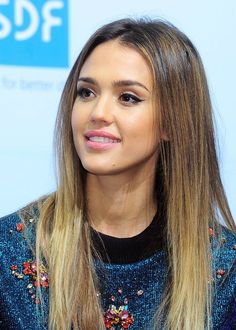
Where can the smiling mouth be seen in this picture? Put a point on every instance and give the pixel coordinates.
(102, 139)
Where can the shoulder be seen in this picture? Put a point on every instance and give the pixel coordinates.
(17, 235)
(16, 226)
(18, 230)
(11, 228)
(16, 240)
(224, 279)
(224, 252)
(7, 222)
(18, 270)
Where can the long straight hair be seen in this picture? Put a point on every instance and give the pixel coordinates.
(193, 191)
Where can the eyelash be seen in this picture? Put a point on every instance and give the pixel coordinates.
(81, 90)
(134, 99)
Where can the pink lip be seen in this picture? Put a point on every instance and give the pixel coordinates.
(102, 134)
(100, 145)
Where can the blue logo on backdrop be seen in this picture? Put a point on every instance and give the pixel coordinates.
(34, 33)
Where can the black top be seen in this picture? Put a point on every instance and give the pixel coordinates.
(128, 250)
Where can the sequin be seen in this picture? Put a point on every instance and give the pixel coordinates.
(19, 227)
(220, 273)
(126, 301)
(13, 267)
(223, 240)
(119, 318)
(140, 292)
(211, 232)
(37, 301)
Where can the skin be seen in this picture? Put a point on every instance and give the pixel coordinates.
(122, 176)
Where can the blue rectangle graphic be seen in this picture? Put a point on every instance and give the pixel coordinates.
(34, 33)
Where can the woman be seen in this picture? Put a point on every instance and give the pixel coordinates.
(132, 237)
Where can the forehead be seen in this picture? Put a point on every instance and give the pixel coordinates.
(113, 61)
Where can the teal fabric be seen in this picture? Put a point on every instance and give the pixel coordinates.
(138, 287)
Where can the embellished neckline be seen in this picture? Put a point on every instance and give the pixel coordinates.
(133, 249)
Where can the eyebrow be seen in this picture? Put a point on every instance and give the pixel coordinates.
(118, 83)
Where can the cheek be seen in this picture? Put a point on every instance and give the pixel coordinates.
(146, 134)
(76, 125)
(77, 121)
(142, 127)
(74, 120)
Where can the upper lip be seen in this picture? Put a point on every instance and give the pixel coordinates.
(101, 133)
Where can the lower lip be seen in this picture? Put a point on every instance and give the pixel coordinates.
(101, 146)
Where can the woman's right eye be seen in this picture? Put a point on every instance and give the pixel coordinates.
(85, 93)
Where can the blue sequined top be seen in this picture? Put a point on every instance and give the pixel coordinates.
(131, 289)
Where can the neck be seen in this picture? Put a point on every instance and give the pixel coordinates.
(119, 206)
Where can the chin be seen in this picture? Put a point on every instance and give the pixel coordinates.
(101, 169)
(103, 172)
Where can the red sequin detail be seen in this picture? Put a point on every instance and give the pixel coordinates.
(118, 317)
(211, 232)
(19, 227)
(38, 276)
(108, 324)
(220, 272)
(13, 267)
(26, 264)
(37, 301)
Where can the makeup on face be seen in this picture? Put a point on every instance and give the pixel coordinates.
(113, 114)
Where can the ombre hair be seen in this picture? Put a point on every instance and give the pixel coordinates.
(193, 195)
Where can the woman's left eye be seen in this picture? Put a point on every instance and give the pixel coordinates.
(128, 98)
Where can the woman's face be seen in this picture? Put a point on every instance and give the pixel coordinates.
(113, 116)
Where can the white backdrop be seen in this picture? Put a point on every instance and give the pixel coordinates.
(31, 81)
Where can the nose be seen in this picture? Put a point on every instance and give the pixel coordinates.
(102, 110)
